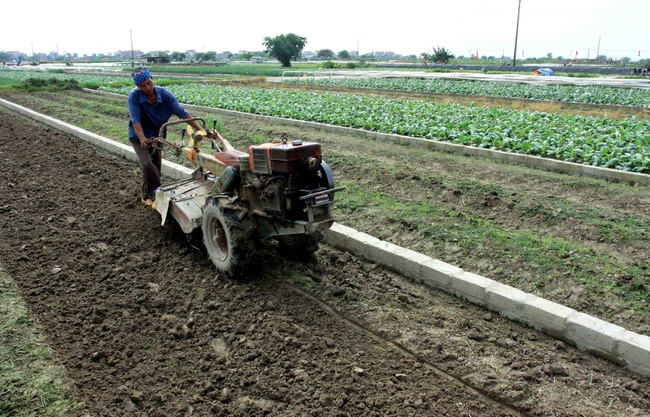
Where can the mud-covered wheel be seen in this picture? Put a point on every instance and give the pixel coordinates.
(224, 240)
(300, 245)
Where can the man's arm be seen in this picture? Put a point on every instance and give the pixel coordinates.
(137, 128)
(178, 109)
(193, 123)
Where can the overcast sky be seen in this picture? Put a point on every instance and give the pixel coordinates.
(615, 28)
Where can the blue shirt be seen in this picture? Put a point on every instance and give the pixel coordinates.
(152, 116)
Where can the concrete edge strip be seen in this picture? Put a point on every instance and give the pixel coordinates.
(603, 339)
(530, 161)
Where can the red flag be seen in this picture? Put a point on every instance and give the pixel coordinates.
(639, 54)
(576, 53)
(477, 54)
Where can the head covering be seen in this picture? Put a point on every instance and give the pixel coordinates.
(140, 75)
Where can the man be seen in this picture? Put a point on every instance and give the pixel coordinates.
(150, 107)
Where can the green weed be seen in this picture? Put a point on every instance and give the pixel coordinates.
(31, 383)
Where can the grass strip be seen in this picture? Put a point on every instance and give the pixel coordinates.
(519, 251)
(31, 383)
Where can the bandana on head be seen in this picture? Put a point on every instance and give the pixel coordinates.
(140, 75)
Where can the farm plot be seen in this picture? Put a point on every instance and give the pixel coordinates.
(145, 327)
(579, 242)
(638, 97)
(620, 144)
(100, 79)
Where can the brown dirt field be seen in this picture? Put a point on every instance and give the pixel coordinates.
(145, 326)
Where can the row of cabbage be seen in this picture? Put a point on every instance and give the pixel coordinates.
(636, 97)
(20, 75)
(620, 144)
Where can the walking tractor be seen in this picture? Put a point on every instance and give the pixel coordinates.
(239, 199)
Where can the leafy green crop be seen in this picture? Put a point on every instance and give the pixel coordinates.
(636, 97)
(22, 75)
(619, 144)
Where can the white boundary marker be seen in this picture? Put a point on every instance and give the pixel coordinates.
(599, 337)
(603, 339)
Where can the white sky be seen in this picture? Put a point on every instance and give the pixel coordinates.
(560, 27)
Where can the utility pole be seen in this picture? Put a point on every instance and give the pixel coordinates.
(598, 50)
(514, 56)
(132, 55)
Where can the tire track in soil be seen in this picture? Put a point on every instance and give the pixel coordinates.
(144, 327)
(405, 352)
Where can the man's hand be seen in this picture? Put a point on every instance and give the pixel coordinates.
(144, 143)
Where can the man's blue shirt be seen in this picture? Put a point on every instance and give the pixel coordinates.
(152, 116)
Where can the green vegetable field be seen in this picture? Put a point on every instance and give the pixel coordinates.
(20, 75)
(619, 144)
(617, 96)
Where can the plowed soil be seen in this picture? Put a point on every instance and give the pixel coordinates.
(145, 326)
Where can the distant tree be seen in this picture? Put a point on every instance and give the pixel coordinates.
(210, 56)
(625, 59)
(441, 55)
(549, 55)
(325, 53)
(178, 56)
(246, 56)
(284, 48)
(602, 57)
(344, 54)
(4, 56)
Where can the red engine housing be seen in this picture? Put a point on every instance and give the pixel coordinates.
(285, 158)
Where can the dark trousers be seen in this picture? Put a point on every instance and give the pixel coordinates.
(150, 166)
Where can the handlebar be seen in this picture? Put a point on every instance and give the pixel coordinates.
(163, 128)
